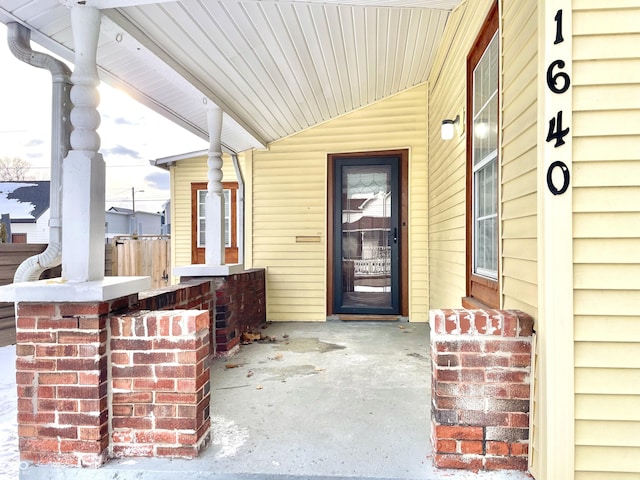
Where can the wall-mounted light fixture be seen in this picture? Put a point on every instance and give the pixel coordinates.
(449, 127)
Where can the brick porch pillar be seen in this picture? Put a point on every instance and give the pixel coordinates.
(481, 367)
(161, 390)
(62, 383)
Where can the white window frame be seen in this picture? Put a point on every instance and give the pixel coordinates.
(491, 157)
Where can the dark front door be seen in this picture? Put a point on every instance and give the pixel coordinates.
(366, 235)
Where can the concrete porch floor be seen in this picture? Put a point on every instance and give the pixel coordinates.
(331, 400)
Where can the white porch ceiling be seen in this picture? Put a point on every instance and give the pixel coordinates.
(275, 67)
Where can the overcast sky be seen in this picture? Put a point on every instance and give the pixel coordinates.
(130, 133)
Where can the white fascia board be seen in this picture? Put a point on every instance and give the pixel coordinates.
(166, 162)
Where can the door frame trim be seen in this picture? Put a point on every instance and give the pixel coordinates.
(403, 172)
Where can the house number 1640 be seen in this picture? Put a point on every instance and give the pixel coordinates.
(558, 82)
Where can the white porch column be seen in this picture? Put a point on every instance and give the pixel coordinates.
(83, 178)
(214, 262)
(214, 206)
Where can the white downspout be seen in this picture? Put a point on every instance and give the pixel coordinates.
(240, 209)
(19, 38)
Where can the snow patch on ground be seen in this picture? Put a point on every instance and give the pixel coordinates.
(9, 454)
(228, 436)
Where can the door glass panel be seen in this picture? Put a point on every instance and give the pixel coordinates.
(366, 236)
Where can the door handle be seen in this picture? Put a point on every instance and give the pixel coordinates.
(395, 235)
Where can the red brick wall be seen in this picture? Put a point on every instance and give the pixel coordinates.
(159, 393)
(195, 294)
(160, 382)
(481, 366)
(240, 306)
(159, 400)
(62, 382)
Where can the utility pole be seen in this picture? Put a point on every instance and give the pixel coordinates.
(133, 215)
(133, 207)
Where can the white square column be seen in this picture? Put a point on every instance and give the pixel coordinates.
(83, 193)
(214, 229)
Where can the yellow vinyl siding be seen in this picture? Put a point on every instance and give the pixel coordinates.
(447, 180)
(447, 159)
(518, 178)
(519, 158)
(289, 201)
(183, 174)
(606, 194)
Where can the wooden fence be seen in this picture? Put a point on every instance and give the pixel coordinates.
(11, 256)
(148, 256)
(124, 256)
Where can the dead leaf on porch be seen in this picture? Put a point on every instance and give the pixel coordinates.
(248, 337)
(285, 335)
(318, 369)
(231, 365)
(278, 356)
(401, 327)
(268, 338)
(250, 373)
(258, 387)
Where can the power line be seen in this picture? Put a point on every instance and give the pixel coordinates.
(108, 166)
(137, 201)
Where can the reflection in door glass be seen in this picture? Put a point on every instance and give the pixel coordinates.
(366, 232)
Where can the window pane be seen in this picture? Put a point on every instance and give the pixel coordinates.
(485, 103)
(485, 220)
(485, 76)
(227, 217)
(486, 247)
(202, 196)
(486, 190)
(492, 64)
(201, 233)
(227, 202)
(485, 167)
(485, 131)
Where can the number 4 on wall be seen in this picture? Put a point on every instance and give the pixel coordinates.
(556, 132)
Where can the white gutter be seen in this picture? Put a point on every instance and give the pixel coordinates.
(18, 38)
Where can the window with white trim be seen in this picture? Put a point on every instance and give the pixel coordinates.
(483, 167)
(485, 163)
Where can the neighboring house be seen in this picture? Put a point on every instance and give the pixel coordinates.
(512, 171)
(27, 205)
(166, 213)
(123, 221)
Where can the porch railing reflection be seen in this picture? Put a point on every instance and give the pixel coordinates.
(375, 261)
